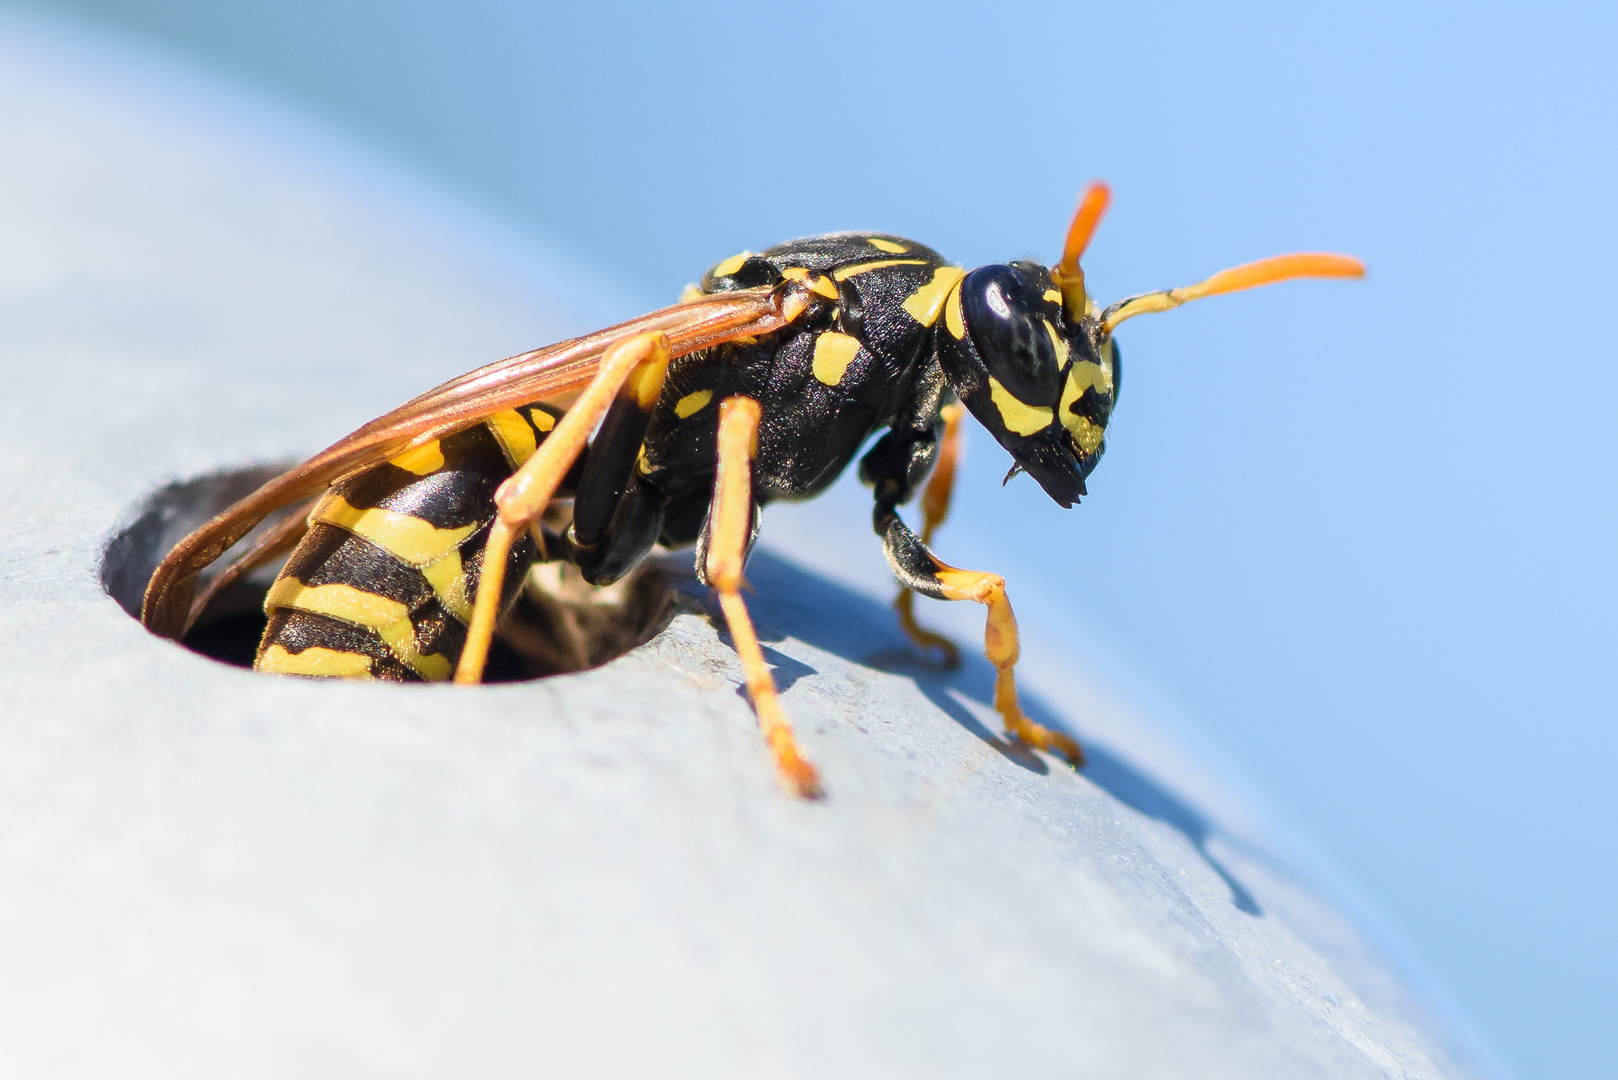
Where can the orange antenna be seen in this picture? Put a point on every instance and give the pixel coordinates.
(1069, 276)
(1247, 276)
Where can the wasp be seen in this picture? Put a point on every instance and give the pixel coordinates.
(763, 383)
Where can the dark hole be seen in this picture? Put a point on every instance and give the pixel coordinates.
(558, 623)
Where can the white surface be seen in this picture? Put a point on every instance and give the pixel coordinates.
(209, 873)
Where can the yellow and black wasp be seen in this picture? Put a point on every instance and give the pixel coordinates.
(763, 383)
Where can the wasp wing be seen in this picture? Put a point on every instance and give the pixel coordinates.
(532, 376)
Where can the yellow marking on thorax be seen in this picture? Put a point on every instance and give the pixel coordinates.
(448, 578)
(642, 465)
(864, 268)
(926, 302)
(814, 281)
(513, 434)
(543, 420)
(389, 618)
(1020, 418)
(833, 353)
(886, 245)
(1053, 295)
(690, 293)
(329, 663)
(954, 322)
(423, 460)
(731, 265)
(411, 540)
(692, 403)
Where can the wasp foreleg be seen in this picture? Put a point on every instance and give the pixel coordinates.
(935, 501)
(730, 528)
(919, 569)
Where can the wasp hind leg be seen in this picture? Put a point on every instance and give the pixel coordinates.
(726, 539)
(632, 371)
(920, 570)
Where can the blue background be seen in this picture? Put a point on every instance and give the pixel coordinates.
(1364, 532)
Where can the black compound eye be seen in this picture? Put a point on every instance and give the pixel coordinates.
(1004, 312)
(743, 271)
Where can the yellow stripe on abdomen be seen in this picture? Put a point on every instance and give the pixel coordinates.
(325, 663)
(411, 540)
(388, 618)
(447, 576)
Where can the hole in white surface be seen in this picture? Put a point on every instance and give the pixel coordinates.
(558, 624)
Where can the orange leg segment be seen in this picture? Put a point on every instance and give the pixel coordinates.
(1000, 644)
(729, 526)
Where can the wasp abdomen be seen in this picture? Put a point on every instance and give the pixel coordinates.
(381, 587)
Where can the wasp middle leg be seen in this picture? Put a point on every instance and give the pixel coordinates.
(731, 524)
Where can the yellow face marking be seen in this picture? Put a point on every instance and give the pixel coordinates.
(692, 403)
(1086, 432)
(953, 320)
(886, 245)
(411, 540)
(926, 302)
(1019, 418)
(1053, 295)
(833, 353)
(389, 618)
(731, 265)
(864, 268)
(448, 578)
(513, 434)
(316, 661)
(642, 465)
(1059, 343)
(1082, 376)
(423, 460)
(543, 420)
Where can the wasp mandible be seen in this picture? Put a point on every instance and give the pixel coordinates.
(762, 383)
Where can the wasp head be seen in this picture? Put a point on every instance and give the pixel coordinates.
(1042, 383)
(1032, 357)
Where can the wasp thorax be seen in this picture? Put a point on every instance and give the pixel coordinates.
(1042, 384)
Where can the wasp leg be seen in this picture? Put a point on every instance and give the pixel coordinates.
(921, 570)
(627, 368)
(934, 509)
(278, 541)
(616, 518)
(730, 528)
